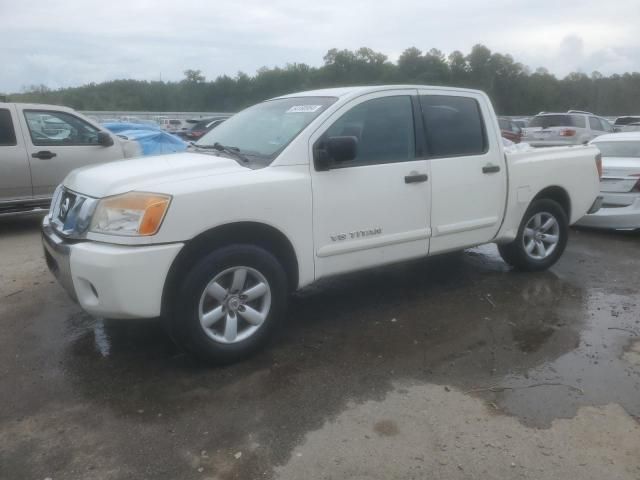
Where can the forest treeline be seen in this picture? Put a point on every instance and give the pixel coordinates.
(513, 87)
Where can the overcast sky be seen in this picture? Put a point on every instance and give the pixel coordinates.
(69, 42)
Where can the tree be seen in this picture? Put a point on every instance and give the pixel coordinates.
(511, 85)
(193, 76)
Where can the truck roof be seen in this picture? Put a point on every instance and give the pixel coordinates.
(361, 90)
(37, 106)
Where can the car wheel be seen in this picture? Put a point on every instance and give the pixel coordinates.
(541, 239)
(229, 304)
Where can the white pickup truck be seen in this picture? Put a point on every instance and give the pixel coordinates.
(299, 188)
(40, 145)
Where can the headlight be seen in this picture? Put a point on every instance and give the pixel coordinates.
(130, 214)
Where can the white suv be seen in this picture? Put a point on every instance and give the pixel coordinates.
(559, 129)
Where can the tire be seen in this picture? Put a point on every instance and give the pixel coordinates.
(229, 299)
(522, 254)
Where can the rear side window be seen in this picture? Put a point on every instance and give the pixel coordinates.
(579, 121)
(453, 126)
(7, 132)
(48, 127)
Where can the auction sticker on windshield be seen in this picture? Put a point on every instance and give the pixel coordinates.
(304, 109)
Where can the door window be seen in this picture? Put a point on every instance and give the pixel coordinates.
(594, 124)
(7, 132)
(50, 128)
(384, 129)
(606, 126)
(453, 126)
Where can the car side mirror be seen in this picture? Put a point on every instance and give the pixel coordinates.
(334, 150)
(105, 139)
(342, 149)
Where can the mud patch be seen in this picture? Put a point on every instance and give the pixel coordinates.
(386, 428)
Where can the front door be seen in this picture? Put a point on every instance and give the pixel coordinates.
(373, 209)
(469, 178)
(59, 142)
(15, 178)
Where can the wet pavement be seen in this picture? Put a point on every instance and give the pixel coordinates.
(370, 367)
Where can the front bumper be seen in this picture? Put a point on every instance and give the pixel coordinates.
(622, 218)
(112, 281)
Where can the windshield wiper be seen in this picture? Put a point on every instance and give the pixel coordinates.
(234, 151)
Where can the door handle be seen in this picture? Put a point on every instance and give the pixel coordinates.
(416, 178)
(491, 168)
(44, 155)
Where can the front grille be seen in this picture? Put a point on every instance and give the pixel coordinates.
(71, 213)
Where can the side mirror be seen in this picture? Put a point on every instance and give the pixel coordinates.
(105, 139)
(342, 149)
(328, 151)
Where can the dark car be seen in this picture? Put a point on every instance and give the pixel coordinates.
(509, 130)
(200, 127)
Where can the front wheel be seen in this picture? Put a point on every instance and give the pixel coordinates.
(541, 239)
(229, 303)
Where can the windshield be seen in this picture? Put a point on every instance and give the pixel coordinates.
(619, 149)
(266, 128)
(546, 121)
(626, 120)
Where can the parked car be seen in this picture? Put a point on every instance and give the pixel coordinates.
(620, 182)
(521, 122)
(558, 129)
(40, 145)
(509, 130)
(630, 123)
(171, 125)
(200, 127)
(299, 188)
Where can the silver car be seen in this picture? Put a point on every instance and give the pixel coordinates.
(620, 182)
(561, 129)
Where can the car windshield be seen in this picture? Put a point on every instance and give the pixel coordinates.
(263, 130)
(546, 121)
(619, 149)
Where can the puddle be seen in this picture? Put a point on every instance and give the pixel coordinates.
(541, 346)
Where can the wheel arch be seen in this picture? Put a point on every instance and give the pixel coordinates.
(252, 233)
(557, 194)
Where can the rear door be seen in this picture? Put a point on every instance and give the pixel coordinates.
(467, 169)
(58, 142)
(15, 178)
(373, 209)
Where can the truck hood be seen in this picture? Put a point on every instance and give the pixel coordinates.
(147, 173)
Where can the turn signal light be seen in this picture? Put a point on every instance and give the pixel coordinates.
(599, 164)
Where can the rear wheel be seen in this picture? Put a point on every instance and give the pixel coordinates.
(229, 303)
(541, 239)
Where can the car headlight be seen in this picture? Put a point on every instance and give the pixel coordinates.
(130, 214)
